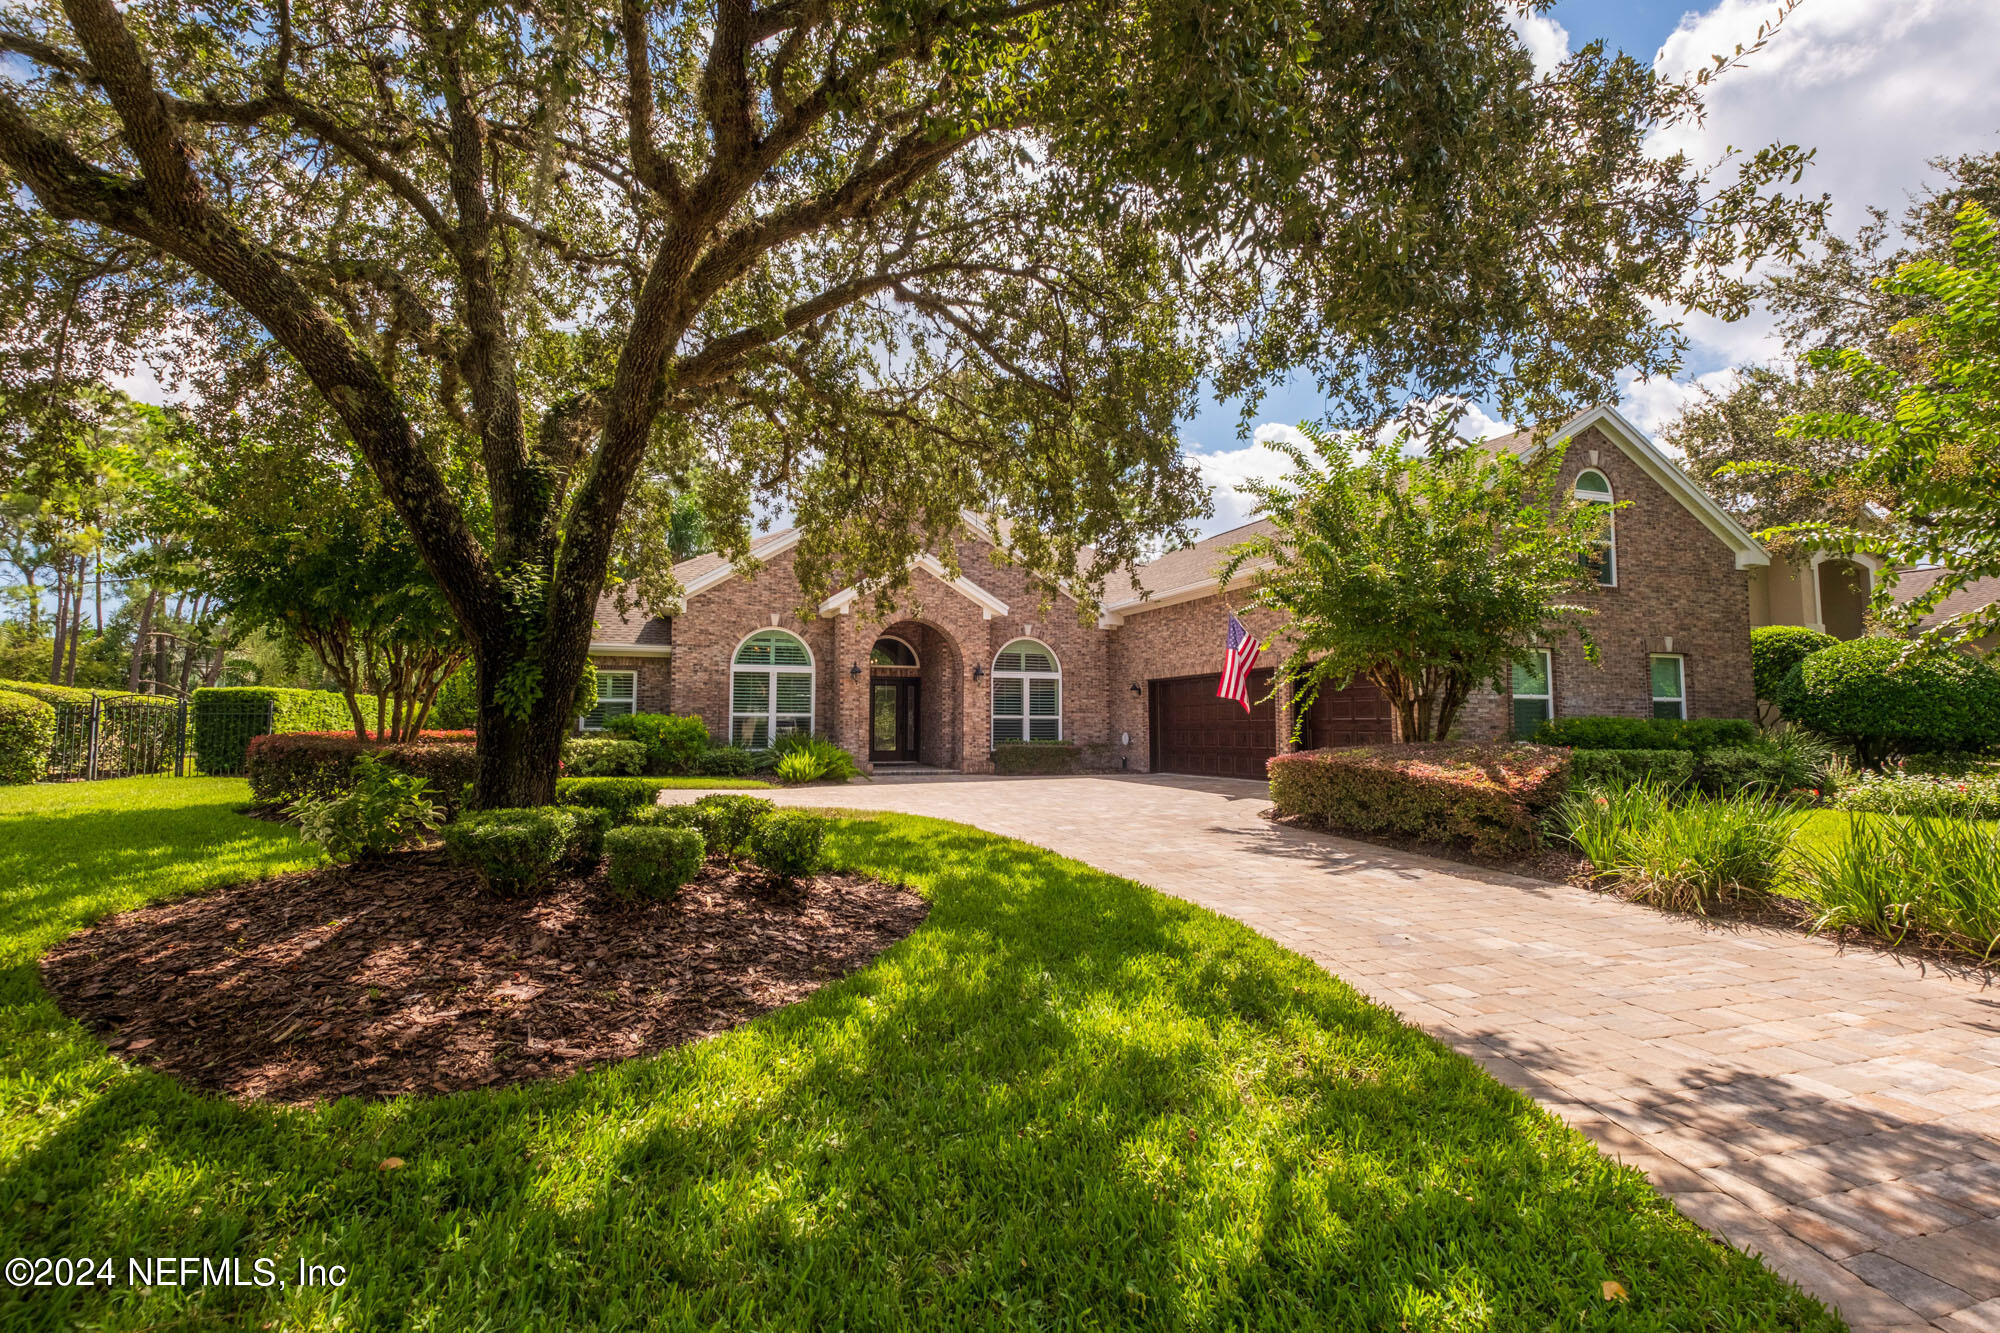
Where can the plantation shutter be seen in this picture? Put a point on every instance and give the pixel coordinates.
(617, 696)
(1009, 715)
(1043, 722)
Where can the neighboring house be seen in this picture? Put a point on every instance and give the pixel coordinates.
(1826, 591)
(962, 663)
(1974, 596)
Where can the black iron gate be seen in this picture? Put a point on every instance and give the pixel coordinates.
(119, 738)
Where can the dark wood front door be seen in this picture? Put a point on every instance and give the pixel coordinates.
(1195, 732)
(892, 720)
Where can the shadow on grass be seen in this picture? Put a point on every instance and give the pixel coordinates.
(1066, 1101)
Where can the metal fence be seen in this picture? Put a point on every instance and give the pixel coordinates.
(123, 738)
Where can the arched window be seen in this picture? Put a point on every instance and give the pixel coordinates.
(891, 651)
(1027, 693)
(1592, 488)
(770, 689)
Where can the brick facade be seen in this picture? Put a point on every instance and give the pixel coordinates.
(1678, 591)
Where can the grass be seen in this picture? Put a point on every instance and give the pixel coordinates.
(1065, 1102)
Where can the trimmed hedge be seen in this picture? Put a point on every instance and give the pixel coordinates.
(602, 757)
(621, 796)
(725, 761)
(790, 844)
(320, 764)
(227, 717)
(517, 852)
(1864, 694)
(734, 818)
(1727, 770)
(1645, 733)
(673, 744)
(1622, 768)
(27, 735)
(1489, 799)
(64, 694)
(1776, 649)
(643, 861)
(1035, 757)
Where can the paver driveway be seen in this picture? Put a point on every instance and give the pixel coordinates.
(1837, 1111)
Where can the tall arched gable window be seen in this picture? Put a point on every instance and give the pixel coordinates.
(1027, 693)
(770, 689)
(1592, 488)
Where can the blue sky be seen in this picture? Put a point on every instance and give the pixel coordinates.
(1877, 87)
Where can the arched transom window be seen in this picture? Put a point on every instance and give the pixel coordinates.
(1592, 488)
(1027, 693)
(890, 651)
(770, 689)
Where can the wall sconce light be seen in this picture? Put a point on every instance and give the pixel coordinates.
(978, 671)
(854, 672)
(1136, 689)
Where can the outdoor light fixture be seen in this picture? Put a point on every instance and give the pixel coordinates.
(978, 671)
(1136, 689)
(855, 671)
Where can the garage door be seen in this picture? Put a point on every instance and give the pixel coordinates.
(1195, 732)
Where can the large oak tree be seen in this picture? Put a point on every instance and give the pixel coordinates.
(876, 262)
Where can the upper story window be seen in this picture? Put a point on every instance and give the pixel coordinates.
(1027, 693)
(890, 651)
(770, 689)
(1592, 488)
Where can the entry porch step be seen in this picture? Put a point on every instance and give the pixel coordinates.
(907, 769)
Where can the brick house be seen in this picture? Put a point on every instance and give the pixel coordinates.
(961, 663)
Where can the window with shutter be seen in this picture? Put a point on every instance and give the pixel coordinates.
(769, 696)
(1027, 693)
(617, 696)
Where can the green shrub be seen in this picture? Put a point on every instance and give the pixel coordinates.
(1488, 798)
(1035, 757)
(790, 844)
(1645, 733)
(621, 796)
(66, 694)
(457, 704)
(726, 761)
(1688, 855)
(602, 757)
(651, 861)
(320, 764)
(673, 744)
(1776, 649)
(381, 811)
(449, 761)
(1890, 877)
(1923, 794)
(27, 735)
(226, 717)
(802, 758)
(517, 852)
(1950, 765)
(586, 842)
(1731, 769)
(1865, 694)
(700, 819)
(1619, 768)
(734, 818)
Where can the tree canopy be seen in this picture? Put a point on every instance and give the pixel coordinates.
(878, 263)
(1428, 574)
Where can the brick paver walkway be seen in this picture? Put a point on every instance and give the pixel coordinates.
(1837, 1111)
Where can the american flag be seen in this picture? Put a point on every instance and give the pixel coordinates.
(1236, 664)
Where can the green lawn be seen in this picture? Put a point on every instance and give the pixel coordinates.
(1065, 1102)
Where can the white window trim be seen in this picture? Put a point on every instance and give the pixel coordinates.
(995, 673)
(1668, 699)
(1608, 499)
(916, 658)
(771, 674)
(1548, 674)
(583, 721)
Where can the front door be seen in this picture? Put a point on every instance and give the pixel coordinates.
(892, 720)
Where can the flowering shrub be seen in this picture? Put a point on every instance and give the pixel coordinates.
(1487, 798)
(1899, 793)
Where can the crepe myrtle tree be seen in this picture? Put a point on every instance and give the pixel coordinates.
(878, 263)
(1427, 573)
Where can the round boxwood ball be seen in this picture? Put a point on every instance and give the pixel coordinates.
(1776, 649)
(1866, 694)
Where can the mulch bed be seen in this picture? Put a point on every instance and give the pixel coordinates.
(405, 977)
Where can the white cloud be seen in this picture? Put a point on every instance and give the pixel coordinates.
(1547, 40)
(1877, 89)
(1227, 469)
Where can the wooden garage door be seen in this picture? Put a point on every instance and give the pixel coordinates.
(1195, 732)
(1357, 715)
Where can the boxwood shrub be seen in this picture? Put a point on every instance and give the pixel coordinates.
(621, 796)
(725, 761)
(1488, 799)
(1035, 757)
(602, 757)
(651, 860)
(517, 852)
(1864, 693)
(790, 844)
(734, 818)
(1776, 649)
(1645, 733)
(673, 744)
(27, 734)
